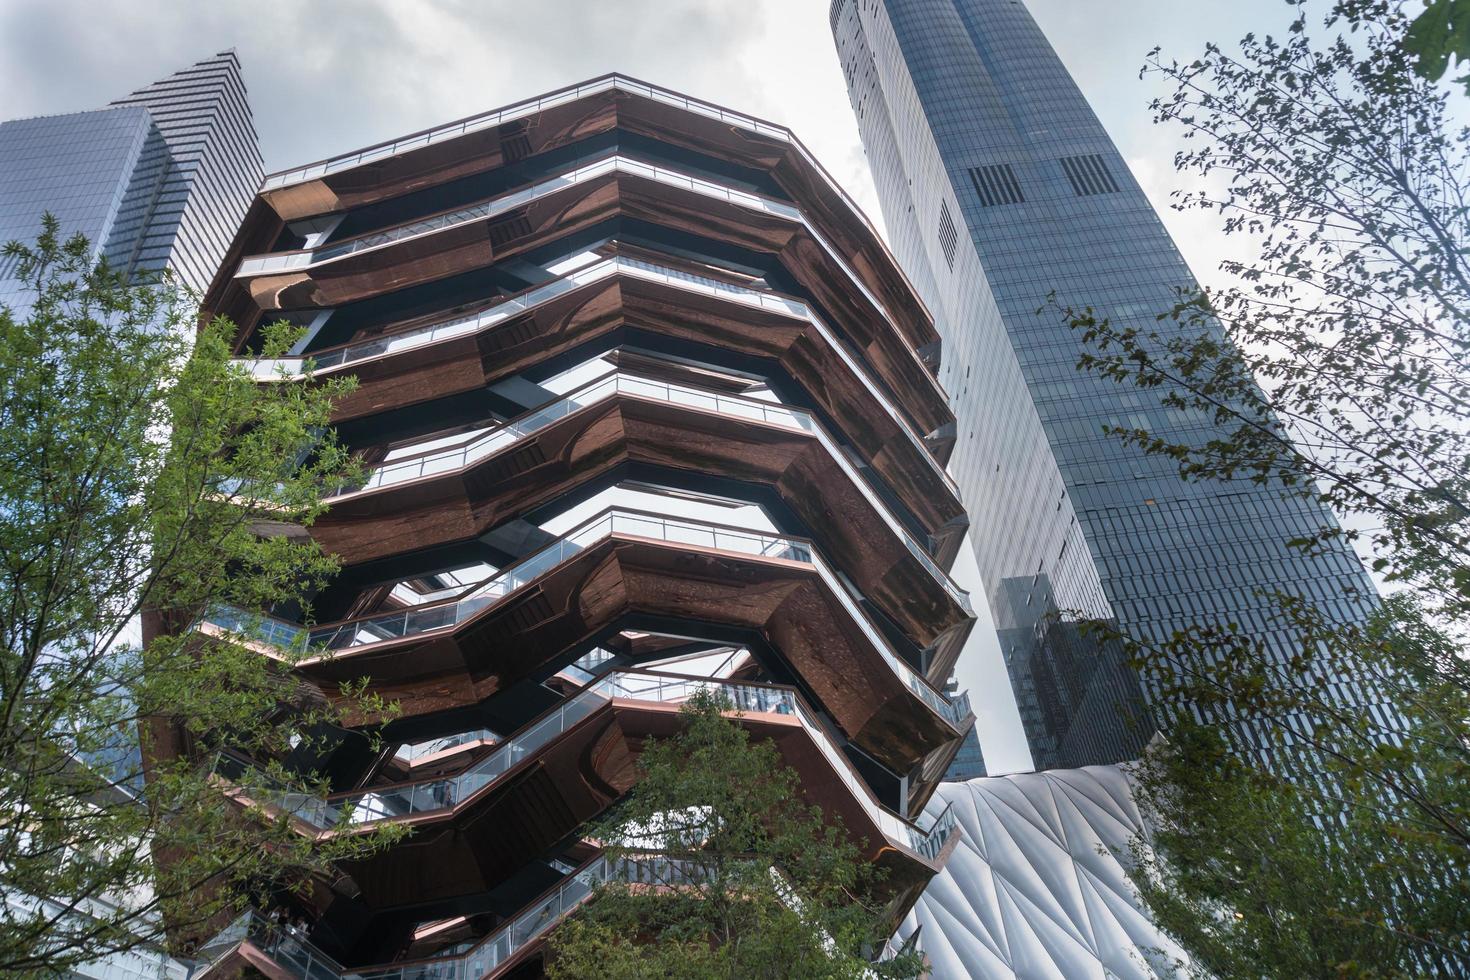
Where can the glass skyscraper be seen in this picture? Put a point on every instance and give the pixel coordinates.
(999, 187)
(160, 178)
(969, 761)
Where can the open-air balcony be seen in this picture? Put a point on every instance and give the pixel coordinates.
(445, 655)
(451, 494)
(448, 358)
(475, 237)
(254, 941)
(503, 136)
(565, 768)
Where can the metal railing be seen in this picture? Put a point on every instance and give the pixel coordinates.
(282, 945)
(430, 618)
(271, 369)
(304, 258)
(298, 957)
(497, 117)
(600, 389)
(486, 120)
(359, 633)
(414, 751)
(279, 261)
(435, 795)
(292, 952)
(491, 441)
(442, 794)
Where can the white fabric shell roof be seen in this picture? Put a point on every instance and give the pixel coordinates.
(1036, 886)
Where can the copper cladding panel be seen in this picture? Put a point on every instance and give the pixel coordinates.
(471, 362)
(462, 505)
(572, 780)
(465, 247)
(787, 602)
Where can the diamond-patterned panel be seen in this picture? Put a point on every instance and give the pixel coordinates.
(1037, 886)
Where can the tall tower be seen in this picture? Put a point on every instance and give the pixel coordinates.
(204, 119)
(159, 179)
(641, 400)
(999, 187)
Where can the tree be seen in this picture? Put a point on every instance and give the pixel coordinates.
(1236, 914)
(1259, 874)
(1334, 369)
(1439, 33)
(749, 882)
(137, 463)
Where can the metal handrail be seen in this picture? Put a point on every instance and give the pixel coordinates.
(571, 93)
(354, 811)
(412, 752)
(615, 163)
(481, 960)
(291, 368)
(358, 633)
(431, 617)
(497, 117)
(501, 437)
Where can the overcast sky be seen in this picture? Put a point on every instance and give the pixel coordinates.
(326, 76)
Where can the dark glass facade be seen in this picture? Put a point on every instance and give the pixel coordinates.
(160, 178)
(969, 761)
(999, 187)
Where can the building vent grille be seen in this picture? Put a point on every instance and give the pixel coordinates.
(1089, 175)
(996, 185)
(514, 143)
(948, 237)
(508, 229)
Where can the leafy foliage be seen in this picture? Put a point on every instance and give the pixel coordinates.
(1257, 874)
(126, 445)
(1439, 33)
(1341, 371)
(777, 888)
(1335, 369)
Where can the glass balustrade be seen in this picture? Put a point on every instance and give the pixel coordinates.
(487, 444)
(425, 619)
(359, 633)
(286, 261)
(268, 369)
(522, 109)
(441, 794)
(587, 667)
(926, 692)
(280, 261)
(499, 117)
(599, 389)
(295, 955)
(445, 793)
(414, 751)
